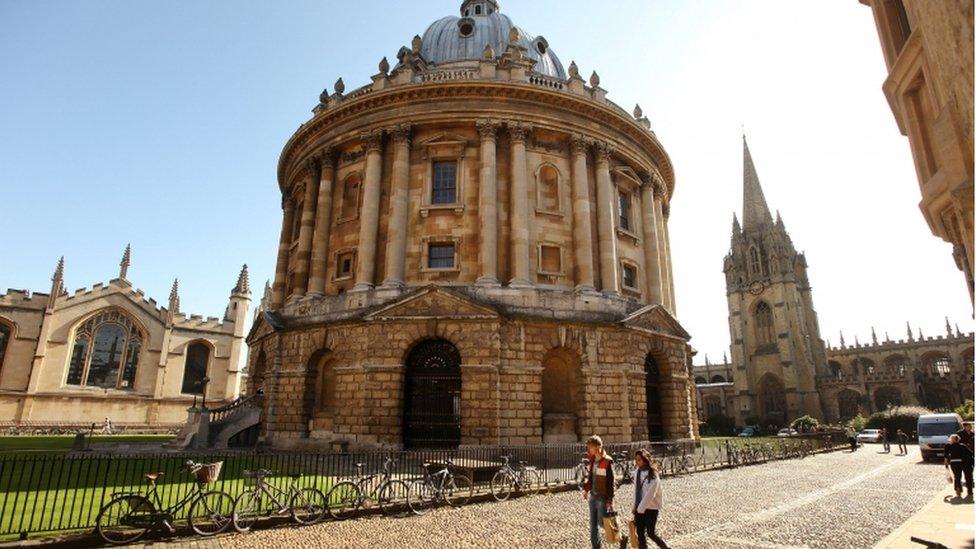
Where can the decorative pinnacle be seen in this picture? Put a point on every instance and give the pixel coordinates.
(908, 328)
(174, 297)
(340, 86)
(638, 112)
(842, 344)
(243, 286)
(874, 337)
(124, 264)
(384, 65)
(948, 327)
(573, 70)
(416, 43)
(595, 80)
(58, 271)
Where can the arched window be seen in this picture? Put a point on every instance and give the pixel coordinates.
(755, 262)
(896, 365)
(835, 369)
(867, 365)
(887, 396)
(105, 352)
(700, 380)
(713, 407)
(4, 340)
(718, 379)
(967, 359)
(848, 403)
(547, 189)
(350, 197)
(195, 368)
(765, 334)
(937, 363)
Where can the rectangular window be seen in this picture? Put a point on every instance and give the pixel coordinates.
(344, 265)
(630, 277)
(623, 209)
(444, 189)
(550, 260)
(440, 256)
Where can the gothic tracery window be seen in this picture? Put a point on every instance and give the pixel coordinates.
(755, 262)
(765, 333)
(4, 340)
(195, 368)
(105, 352)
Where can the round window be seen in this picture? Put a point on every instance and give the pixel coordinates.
(541, 45)
(466, 27)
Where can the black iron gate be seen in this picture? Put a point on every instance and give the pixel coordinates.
(652, 390)
(432, 399)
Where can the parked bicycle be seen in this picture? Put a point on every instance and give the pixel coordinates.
(128, 516)
(580, 472)
(623, 468)
(305, 505)
(380, 489)
(521, 478)
(441, 485)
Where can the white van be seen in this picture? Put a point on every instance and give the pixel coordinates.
(934, 431)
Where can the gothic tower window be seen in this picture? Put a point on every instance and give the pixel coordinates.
(195, 368)
(4, 339)
(765, 332)
(755, 262)
(105, 352)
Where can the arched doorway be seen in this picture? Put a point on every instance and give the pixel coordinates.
(652, 390)
(560, 396)
(772, 399)
(886, 396)
(848, 404)
(432, 396)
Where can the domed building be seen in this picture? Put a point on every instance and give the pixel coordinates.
(474, 250)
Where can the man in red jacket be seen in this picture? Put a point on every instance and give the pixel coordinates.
(598, 488)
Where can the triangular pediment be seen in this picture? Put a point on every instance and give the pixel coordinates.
(260, 328)
(433, 302)
(656, 319)
(443, 138)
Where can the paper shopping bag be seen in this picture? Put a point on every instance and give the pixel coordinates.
(633, 535)
(611, 530)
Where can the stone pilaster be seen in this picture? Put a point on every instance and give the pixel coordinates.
(662, 252)
(281, 268)
(665, 213)
(370, 216)
(396, 246)
(299, 281)
(323, 223)
(652, 259)
(488, 204)
(605, 201)
(519, 206)
(582, 228)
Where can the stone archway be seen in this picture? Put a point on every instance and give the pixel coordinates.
(560, 396)
(848, 404)
(432, 395)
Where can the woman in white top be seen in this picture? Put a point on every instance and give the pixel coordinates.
(648, 498)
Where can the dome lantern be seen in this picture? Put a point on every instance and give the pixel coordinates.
(476, 8)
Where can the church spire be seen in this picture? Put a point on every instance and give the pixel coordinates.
(126, 260)
(755, 212)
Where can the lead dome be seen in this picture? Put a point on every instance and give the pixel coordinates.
(464, 38)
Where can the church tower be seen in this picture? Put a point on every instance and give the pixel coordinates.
(776, 347)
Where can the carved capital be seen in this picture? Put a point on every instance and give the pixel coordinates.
(666, 210)
(579, 143)
(487, 129)
(604, 151)
(659, 187)
(313, 165)
(372, 141)
(400, 134)
(519, 131)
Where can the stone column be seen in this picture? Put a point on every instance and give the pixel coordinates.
(396, 246)
(666, 212)
(605, 201)
(299, 281)
(582, 229)
(370, 215)
(281, 269)
(652, 258)
(662, 241)
(323, 224)
(488, 204)
(519, 200)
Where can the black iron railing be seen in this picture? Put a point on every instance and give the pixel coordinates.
(46, 493)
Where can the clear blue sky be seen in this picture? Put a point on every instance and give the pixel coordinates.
(160, 124)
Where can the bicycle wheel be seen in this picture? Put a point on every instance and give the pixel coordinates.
(420, 496)
(343, 500)
(458, 491)
(537, 482)
(125, 519)
(308, 506)
(501, 485)
(247, 510)
(619, 472)
(393, 495)
(579, 477)
(211, 513)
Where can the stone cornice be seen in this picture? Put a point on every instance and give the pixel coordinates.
(639, 147)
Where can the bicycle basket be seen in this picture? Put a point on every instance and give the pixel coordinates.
(208, 473)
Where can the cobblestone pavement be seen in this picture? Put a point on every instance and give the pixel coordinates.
(830, 500)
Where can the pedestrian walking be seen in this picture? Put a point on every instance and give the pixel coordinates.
(598, 488)
(107, 427)
(852, 439)
(959, 458)
(966, 436)
(902, 442)
(883, 434)
(648, 499)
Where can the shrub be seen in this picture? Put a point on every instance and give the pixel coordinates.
(898, 417)
(805, 424)
(720, 424)
(965, 410)
(857, 422)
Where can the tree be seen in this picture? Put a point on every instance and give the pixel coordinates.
(857, 422)
(805, 424)
(965, 410)
(898, 417)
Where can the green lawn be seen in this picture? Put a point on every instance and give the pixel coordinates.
(50, 443)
